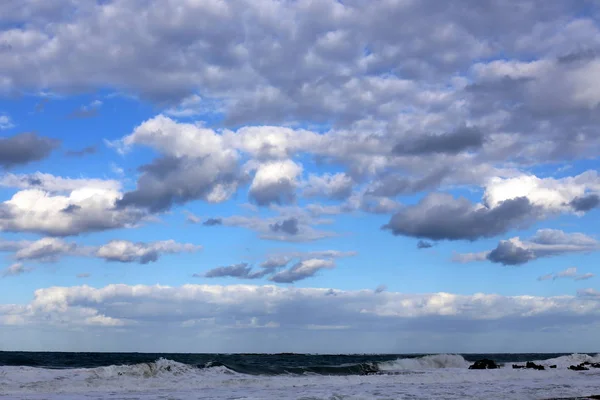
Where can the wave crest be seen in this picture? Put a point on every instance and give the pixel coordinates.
(426, 362)
(162, 366)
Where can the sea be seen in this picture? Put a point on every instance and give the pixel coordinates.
(143, 376)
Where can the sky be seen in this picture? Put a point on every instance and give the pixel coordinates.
(322, 176)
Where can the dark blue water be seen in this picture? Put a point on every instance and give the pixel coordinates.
(254, 364)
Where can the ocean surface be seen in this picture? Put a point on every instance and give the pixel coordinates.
(142, 376)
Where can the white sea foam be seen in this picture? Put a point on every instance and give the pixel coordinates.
(426, 362)
(571, 359)
(430, 377)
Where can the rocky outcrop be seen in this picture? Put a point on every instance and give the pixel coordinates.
(530, 365)
(579, 367)
(484, 364)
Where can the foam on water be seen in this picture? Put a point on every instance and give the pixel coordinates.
(426, 362)
(571, 359)
(429, 377)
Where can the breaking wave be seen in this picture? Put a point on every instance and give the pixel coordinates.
(163, 367)
(425, 362)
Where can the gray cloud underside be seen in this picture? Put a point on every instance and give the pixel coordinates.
(585, 203)
(24, 148)
(308, 265)
(443, 217)
(171, 180)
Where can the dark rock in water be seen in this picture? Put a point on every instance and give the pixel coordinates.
(515, 366)
(532, 365)
(484, 364)
(595, 365)
(579, 367)
(553, 366)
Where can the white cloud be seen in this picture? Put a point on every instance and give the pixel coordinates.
(126, 251)
(46, 249)
(275, 182)
(85, 209)
(550, 193)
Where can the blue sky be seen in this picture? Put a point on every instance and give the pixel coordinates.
(234, 169)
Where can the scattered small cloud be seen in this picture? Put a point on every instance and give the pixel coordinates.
(302, 270)
(569, 273)
(84, 275)
(241, 271)
(83, 152)
(87, 111)
(289, 226)
(41, 105)
(6, 122)
(213, 222)
(15, 270)
(585, 203)
(24, 148)
(545, 243)
(423, 244)
(381, 288)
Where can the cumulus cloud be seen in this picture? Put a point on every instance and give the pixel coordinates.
(275, 182)
(551, 194)
(125, 251)
(545, 243)
(171, 180)
(195, 165)
(85, 209)
(441, 216)
(24, 148)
